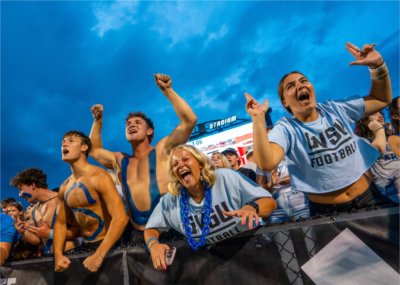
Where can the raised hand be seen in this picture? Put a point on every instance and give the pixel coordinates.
(366, 56)
(374, 126)
(163, 81)
(61, 263)
(93, 262)
(253, 108)
(97, 111)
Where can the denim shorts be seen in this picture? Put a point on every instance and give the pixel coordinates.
(292, 206)
(370, 198)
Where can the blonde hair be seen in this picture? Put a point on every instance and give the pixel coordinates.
(225, 161)
(207, 168)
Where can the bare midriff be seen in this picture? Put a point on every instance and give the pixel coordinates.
(344, 195)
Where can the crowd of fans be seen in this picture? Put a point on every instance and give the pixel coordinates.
(312, 163)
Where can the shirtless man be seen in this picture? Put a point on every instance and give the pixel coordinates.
(93, 199)
(32, 185)
(325, 158)
(144, 175)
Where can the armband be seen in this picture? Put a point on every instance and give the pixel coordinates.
(379, 72)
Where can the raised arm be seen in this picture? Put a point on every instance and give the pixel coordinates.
(267, 155)
(186, 115)
(104, 157)
(61, 262)
(119, 219)
(380, 94)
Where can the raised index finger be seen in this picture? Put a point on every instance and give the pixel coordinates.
(353, 49)
(248, 97)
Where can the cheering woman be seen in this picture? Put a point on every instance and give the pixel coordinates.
(204, 204)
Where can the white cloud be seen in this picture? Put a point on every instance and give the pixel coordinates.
(114, 15)
(175, 22)
(178, 21)
(236, 77)
(205, 98)
(182, 21)
(214, 36)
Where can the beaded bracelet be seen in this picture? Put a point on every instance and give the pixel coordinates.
(149, 240)
(152, 244)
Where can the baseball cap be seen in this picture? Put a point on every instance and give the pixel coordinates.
(231, 151)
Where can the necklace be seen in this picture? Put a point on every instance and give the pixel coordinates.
(42, 206)
(48, 199)
(195, 245)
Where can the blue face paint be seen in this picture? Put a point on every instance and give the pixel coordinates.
(26, 195)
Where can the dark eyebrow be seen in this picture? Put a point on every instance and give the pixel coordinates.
(67, 139)
(292, 82)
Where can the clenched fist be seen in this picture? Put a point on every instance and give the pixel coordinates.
(97, 111)
(374, 126)
(163, 81)
(93, 262)
(61, 263)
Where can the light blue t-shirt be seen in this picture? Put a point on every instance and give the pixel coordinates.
(386, 174)
(231, 191)
(325, 155)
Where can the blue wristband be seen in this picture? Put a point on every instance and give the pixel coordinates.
(51, 234)
(149, 240)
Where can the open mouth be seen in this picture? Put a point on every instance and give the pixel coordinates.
(65, 151)
(303, 96)
(185, 175)
(132, 131)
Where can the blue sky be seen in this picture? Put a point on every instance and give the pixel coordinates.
(59, 58)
